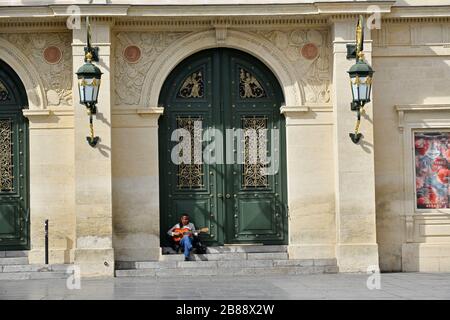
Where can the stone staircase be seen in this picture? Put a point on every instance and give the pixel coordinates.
(227, 260)
(14, 266)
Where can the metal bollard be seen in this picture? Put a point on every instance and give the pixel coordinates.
(46, 241)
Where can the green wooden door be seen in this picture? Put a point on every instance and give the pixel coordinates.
(14, 213)
(227, 101)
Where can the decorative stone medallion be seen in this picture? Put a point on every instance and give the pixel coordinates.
(310, 51)
(132, 54)
(52, 54)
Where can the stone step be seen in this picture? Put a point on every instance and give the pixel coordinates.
(228, 256)
(34, 271)
(10, 261)
(237, 249)
(13, 254)
(32, 275)
(223, 264)
(202, 271)
(246, 248)
(35, 268)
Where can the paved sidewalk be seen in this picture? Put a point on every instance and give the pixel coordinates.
(326, 286)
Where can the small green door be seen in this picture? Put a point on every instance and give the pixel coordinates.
(14, 213)
(232, 177)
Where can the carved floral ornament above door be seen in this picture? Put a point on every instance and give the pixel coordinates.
(4, 94)
(304, 54)
(50, 54)
(193, 86)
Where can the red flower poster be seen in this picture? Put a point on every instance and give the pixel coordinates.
(432, 151)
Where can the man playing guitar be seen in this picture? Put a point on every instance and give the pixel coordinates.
(184, 233)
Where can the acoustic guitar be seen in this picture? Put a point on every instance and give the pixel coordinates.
(184, 231)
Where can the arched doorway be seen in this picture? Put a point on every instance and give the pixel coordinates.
(14, 185)
(227, 100)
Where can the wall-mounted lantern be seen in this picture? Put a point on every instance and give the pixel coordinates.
(89, 77)
(361, 75)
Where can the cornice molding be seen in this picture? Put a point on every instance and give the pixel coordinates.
(29, 113)
(353, 7)
(93, 10)
(422, 107)
(199, 10)
(290, 111)
(419, 12)
(53, 17)
(409, 108)
(25, 25)
(121, 110)
(35, 113)
(429, 19)
(145, 24)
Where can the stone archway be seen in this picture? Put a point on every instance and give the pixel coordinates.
(259, 47)
(27, 74)
(227, 91)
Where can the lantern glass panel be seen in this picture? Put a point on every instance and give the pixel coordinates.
(369, 91)
(89, 90)
(355, 91)
(363, 90)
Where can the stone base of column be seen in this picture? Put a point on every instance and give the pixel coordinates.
(357, 257)
(55, 256)
(312, 251)
(95, 262)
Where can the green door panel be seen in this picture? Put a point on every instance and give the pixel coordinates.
(8, 219)
(224, 89)
(14, 198)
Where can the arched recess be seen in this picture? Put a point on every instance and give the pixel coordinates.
(220, 92)
(26, 72)
(14, 166)
(259, 47)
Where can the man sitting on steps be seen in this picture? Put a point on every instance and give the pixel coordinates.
(187, 238)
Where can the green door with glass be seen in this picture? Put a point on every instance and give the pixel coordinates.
(222, 149)
(14, 213)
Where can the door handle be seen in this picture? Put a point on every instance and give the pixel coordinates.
(228, 196)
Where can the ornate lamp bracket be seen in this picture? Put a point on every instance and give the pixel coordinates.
(361, 75)
(354, 50)
(89, 48)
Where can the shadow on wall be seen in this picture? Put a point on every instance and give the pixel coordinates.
(69, 247)
(425, 80)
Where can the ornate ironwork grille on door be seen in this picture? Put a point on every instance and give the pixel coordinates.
(190, 172)
(6, 156)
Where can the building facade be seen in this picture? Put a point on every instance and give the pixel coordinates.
(227, 65)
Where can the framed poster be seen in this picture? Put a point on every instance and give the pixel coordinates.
(432, 158)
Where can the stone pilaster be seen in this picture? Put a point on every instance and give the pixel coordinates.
(51, 184)
(93, 178)
(356, 247)
(136, 184)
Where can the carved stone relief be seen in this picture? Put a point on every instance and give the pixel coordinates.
(129, 77)
(313, 71)
(56, 77)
